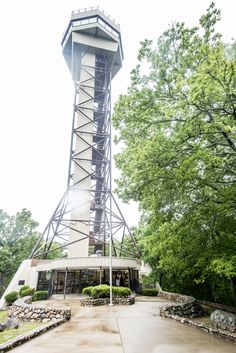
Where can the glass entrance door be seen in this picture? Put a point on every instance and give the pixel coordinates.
(59, 283)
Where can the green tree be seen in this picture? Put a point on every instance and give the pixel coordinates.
(177, 127)
(17, 237)
(127, 248)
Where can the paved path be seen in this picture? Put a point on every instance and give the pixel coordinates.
(124, 329)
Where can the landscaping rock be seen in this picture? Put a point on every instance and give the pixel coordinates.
(223, 320)
(45, 320)
(2, 327)
(12, 323)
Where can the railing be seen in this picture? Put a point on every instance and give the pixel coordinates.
(95, 8)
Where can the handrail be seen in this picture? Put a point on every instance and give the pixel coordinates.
(95, 8)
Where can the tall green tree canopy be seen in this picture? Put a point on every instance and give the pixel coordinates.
(177, 126)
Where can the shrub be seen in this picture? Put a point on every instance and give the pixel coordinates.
(40, 295)
(27, 291)
(87, 291)
(103, 291)
(152, 292)
(121, 291)
(115, 291)
(22, 290)
(11, 297)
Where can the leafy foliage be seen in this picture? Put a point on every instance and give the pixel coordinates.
(103, 291)
(22, 289)
(40, 295)
(121, 291)
(127, 247)
(18, 235)
(27, 291)
(151, 292)
(178, 132)
(11, 297)
(87, 291)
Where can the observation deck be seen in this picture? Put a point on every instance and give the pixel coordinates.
(93, 23)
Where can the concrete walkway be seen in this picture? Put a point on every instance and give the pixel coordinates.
(124, 329)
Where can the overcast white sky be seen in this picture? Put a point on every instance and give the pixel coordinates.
(37, 93)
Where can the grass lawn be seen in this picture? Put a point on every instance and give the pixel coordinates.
(24, 327)
(3, 316)
(203, 320)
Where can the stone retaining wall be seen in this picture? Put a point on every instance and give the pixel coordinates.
(103, 301)
(175, 297)
(23, 310)
(185, 306)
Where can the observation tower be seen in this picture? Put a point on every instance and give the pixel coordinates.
(87, 217)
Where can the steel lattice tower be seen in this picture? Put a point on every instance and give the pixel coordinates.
(88, 214)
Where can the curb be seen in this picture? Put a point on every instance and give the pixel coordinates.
(29, 335)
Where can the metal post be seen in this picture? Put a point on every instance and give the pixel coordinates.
(110, 270)
(110, 252)
(110, 195)
(51, 284)
(64, 297)
(129, 279)
(100, 275)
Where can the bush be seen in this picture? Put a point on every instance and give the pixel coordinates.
(27, 291)
(103, 291)
(40, 295)
(151, 292)
(87, 291)
(121, 291)
(11, 297)
(22, 290)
